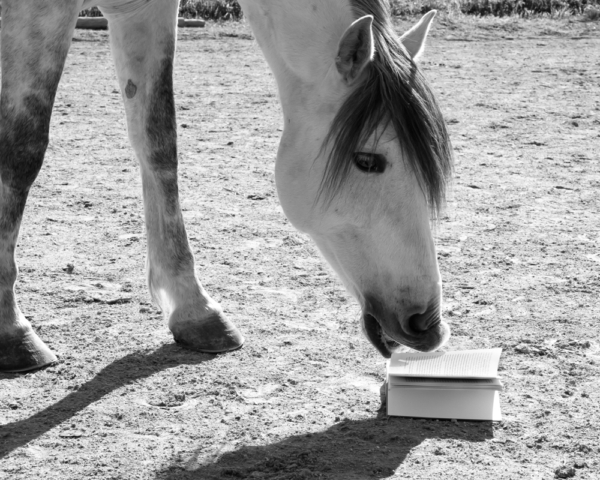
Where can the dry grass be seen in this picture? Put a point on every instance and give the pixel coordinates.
(211, 9)
(498, 8)
(206, 9)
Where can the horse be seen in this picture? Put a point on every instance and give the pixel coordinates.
(362, 166)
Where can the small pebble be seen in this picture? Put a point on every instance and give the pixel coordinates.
(564, 472)
(524, 348)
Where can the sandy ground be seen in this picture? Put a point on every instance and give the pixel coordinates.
(519, 251)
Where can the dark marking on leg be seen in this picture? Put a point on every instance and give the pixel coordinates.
(11, 213)
(161, 128)
(174, 241)
(130, 89)
(23, 142)
(160, 125)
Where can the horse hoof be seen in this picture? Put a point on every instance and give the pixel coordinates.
(24, 353)
(216, 334)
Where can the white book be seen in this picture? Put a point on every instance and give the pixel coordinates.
(458, 385)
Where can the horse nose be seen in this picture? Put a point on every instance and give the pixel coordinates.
(419, 326)
(422, 327)
(425, 318)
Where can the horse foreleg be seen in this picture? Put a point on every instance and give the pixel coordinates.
(143, 45)
(35, 40)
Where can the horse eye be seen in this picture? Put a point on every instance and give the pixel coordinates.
(370, 162)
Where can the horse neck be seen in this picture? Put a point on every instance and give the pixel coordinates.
(299, 39)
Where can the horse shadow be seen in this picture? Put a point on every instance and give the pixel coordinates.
(373, 448)
(351, 449)
(128, 369)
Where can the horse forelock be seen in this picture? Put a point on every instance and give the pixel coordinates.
(392, 90)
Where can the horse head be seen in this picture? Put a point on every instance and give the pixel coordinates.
(364, 157)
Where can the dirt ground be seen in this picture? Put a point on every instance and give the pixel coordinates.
(519, 251)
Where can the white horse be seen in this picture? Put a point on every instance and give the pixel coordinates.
(362, 164)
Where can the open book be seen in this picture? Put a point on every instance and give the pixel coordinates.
(461, 385)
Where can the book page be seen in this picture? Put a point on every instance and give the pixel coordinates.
(445, 383)
(461, 364)
(444, 403)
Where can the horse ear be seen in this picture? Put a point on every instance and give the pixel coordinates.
(414, 39)
(356, 49)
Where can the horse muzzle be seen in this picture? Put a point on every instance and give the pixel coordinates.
(424, 332)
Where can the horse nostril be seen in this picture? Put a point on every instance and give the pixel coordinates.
(415, 323)
(421, 322)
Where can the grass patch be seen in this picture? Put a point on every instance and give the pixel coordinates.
(210, 9)
(497, 8)
(205, 9)
(590, 9)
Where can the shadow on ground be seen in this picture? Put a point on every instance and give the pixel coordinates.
(349, 450)
(121, 372)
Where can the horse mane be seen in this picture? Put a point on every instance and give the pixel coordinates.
(392, 89)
